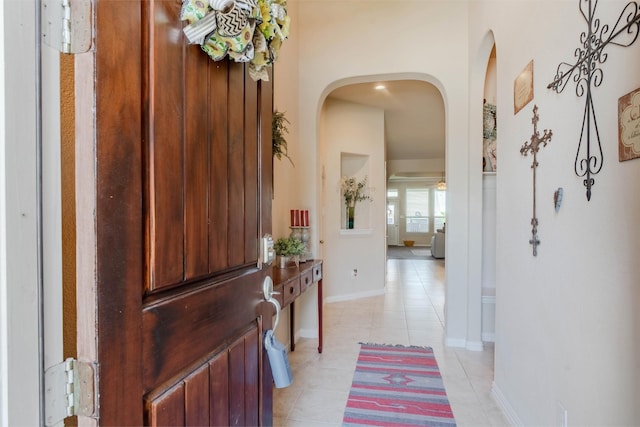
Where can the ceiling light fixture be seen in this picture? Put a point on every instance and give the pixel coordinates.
(442, 185)
(380, 87)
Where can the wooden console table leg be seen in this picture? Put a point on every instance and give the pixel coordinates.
(320, 316)
(291, 325)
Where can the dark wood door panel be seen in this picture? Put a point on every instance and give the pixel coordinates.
(222, 391)
(168, 409)
(118, 204)
(196, 397)
(183, 192)
(250, 167)
(165, 113)
(197, 170)
(178, 331)
(219, 199)
(219, 372)
(202, 150)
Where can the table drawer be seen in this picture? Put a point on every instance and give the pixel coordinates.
(317, 272)
(291, 290)
(306, 280)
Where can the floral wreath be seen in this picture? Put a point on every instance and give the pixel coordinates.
(228, 27)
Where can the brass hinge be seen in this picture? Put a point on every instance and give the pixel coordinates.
(70, 390)
(66, 25)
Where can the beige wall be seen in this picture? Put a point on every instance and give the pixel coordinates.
(338, 45)
(567, 324)
(352, 128)
(567, 328)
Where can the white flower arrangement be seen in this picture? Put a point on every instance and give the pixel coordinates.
(353, 190)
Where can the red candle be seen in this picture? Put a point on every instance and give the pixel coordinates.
(296, 218)
(305, 218)
(292, 218)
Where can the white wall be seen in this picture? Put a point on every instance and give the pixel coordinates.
(287, 192)
(567, 330)
(567, 324)
(341, 43)
(287, 189)
(352, 128)
(420, 165)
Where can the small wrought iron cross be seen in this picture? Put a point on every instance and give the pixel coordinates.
(533, 146)
(587, 74)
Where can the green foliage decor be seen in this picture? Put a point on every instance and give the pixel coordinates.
(287, 246)
(278, 129)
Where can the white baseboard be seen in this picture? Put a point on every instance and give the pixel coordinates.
(357, 295)
(469, 345)
(474, 346)
(488, 318)
(455, 342)
(488, 337)
(306, 333)
(506, 407)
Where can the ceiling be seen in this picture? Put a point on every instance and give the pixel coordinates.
(413, 115)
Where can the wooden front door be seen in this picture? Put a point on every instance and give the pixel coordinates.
(181, 196)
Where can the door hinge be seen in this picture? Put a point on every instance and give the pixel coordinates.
(70, 390)
(66, 25)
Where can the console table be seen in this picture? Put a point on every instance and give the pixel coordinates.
(290, 283)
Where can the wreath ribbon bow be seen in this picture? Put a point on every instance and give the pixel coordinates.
(228, 28)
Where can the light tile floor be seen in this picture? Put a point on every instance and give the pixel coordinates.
(412, 313)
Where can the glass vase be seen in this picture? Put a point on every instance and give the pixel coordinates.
(351, 210)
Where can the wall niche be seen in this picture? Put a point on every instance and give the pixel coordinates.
(353, 165)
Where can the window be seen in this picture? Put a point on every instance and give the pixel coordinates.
(439, 209)
(424, 209)
(392, 193)
(417, 210)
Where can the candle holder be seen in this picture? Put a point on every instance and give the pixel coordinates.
(303, 234)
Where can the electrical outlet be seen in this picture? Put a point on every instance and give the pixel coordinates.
(562, 417)
(354, 273)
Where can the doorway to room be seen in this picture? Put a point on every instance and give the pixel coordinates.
(392, 223)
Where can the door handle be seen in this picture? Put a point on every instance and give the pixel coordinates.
(267, 289)
(277, 305)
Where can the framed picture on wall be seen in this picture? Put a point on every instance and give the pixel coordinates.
(523, 88)
(629, 126)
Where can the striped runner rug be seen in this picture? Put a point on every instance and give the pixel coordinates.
(397, 386)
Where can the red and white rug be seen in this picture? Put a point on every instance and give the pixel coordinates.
(397, 386)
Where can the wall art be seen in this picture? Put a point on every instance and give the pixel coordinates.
(533, 146)
(523, 88)
(629, 126)
(587, 73)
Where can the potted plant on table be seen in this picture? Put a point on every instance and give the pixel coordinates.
(288, 249)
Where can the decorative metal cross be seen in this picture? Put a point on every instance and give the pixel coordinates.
(587, 74)
(533, 146)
